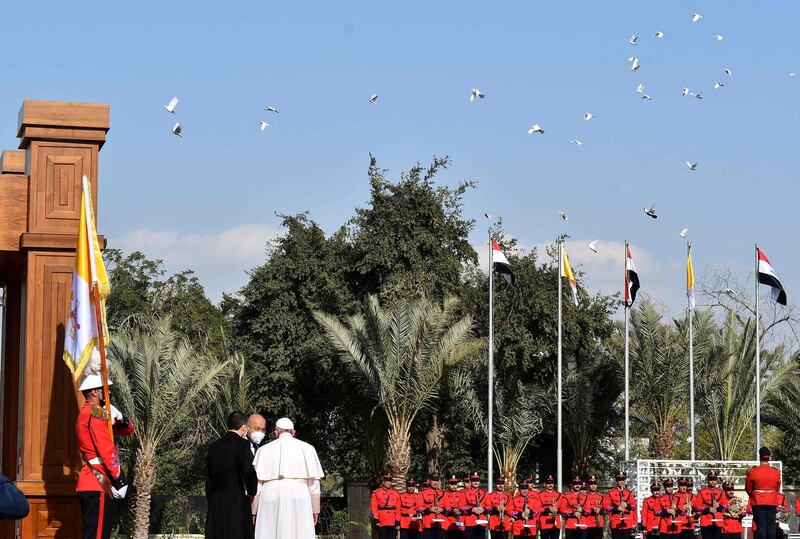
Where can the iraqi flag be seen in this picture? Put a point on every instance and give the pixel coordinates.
(767, 276)
(500, 263)
(631, 278)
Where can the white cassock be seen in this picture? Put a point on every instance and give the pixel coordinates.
(288, 494)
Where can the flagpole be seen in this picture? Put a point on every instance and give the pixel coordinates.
(491, 366)
(559, 453)
(95, 293)
(691, 363)
(758, 363)
(627, 373)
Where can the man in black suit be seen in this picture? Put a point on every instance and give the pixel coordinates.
(231, 479)
(256, 432)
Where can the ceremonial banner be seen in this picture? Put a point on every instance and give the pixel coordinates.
(631, 278)
(566, 271)
(500, 263)
(81, 333)
(767, 276)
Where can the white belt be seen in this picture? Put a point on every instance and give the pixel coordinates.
(96, 460)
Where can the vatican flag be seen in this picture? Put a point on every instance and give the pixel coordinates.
(88, 276)
(689, 277)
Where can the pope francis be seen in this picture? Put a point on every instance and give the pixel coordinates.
(287, 501)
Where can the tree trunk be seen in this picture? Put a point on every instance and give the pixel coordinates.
(399, 452)
(508, 468)
(663, 441)
(143, 481)
(434, 438)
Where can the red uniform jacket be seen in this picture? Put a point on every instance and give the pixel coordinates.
(492, 504)
(568, 506)
(732, 525)
(797, 506)
(472, 499)
(522, 527)
(625, 520)
(762, 484)
(97, 446)
(408, 511)
(383, 506)
(686, 506)
(702, 503)
(548, 517)
(451, 504)
(594, 519)
(671, 524)
(651, 511)
(431, 498)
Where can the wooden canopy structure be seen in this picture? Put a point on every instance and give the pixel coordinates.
(40, 195)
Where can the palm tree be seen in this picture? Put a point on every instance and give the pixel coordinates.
(162, 382)
(401, 355)
(516, 416)
(727, 387)
(659, 388)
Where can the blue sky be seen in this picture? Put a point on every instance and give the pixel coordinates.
(207, 201)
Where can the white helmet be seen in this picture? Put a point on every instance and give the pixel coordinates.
(92, 381)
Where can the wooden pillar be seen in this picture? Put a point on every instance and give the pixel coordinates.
(39, 211)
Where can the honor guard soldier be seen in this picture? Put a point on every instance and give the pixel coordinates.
(670, 513)
(549, 519)
(686, 508)
(409, 512)
(651, 509)
(709, 503)
(452, 509)
(782, 517)
(101, 481)
(620, 504)
(497, 505)
(595, 519)
(733, 514)
(524, 509)
(572, 508)
(383, 507)
(433, 519)
(797, 509)
(472, 507)
(763, 483)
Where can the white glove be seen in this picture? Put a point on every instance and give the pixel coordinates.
(119, 494)
(116, 415)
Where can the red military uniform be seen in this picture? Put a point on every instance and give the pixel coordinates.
(549, 519)
(383, 506)
(703, 502)
(431, 499)
(651, 511)
(451, 503)
(671, 524)
(101, 461)
(472, 499)
(763, 483)
(621, 519)
(409, 509)
(522, 527)
(686, 511)
(492, 503)
(569, 504)
(594, 518)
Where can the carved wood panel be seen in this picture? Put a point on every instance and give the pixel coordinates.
(55, 185)
(52, 517)
(50, 450)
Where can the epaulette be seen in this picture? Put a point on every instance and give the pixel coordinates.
(100, 413)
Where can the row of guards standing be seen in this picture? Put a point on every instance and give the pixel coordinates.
(583, 512)
(436, 513)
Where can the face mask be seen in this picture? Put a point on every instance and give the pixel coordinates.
(257, 437)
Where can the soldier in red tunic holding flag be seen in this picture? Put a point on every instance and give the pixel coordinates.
(101, 481)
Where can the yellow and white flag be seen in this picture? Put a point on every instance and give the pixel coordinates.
(690, 279)
(566, 271)
(81, 335)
